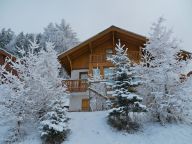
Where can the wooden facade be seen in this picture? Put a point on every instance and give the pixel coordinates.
(76, 85)
(184, 55)
(90, 57)
(93, 52)
(3, 55)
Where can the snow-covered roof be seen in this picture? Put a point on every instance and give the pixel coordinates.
(3, 51)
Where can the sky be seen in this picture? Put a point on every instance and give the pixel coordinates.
(89, 17)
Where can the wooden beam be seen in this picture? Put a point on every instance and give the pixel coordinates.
(69, 61)
(90, 69)
(102, 71)
(113, 35)
(113, 40)
(90, 47)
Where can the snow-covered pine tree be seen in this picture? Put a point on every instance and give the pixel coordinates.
(6, 36)
(53, 115)
(37, 84)
(161, 72)
(184, 93)
(62, 36)
(126, 101)
(54, 124)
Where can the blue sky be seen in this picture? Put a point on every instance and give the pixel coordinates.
(88, 17)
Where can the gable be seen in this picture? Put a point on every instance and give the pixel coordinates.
(78, 57)
(3, 55)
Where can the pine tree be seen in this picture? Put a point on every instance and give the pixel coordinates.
(5, 37)
(161, 72)
(184, 92)
(36, 85)
(7, 40)
(61, 35)
(125, 100)
(54, 124)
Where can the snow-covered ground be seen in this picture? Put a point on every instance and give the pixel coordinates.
(7, 123)
(91, 128)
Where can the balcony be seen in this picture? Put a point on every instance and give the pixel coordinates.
(133, 55)
(98, 58)
(76, 85)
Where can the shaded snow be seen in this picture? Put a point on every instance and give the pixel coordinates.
(5, 125)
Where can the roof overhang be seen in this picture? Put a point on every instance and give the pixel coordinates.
(141, 38)
(66, 57)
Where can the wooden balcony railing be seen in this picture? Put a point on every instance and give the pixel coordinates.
(98, 58)
(76, 85)
(133, 55)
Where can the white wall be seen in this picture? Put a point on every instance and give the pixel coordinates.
(76, 102)
(75, 73)
(76, 98)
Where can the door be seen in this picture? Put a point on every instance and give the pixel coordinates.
(83, 75)
(85, 104)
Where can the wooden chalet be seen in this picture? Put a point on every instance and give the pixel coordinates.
(3, 55)
(184, 55)
(89, 58)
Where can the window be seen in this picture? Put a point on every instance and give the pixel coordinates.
(109, 53)
(108, 73)
(96, 73)
(83, 75)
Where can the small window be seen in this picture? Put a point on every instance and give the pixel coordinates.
(108, 73)
(83, 75)
(96, 73)
(109, 53)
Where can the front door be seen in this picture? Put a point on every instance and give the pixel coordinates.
(85, 104)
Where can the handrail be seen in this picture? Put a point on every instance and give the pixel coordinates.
(101, 58)
(76, 85)
(96, 58)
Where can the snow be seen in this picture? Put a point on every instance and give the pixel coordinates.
(140, 105)
(24, 98)
(6, 121)
(109, 92)
(92, 128)
(53, 126)
(5, 125)
(188, 68)
(120, 109)
(131, 96)
(163, 91)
